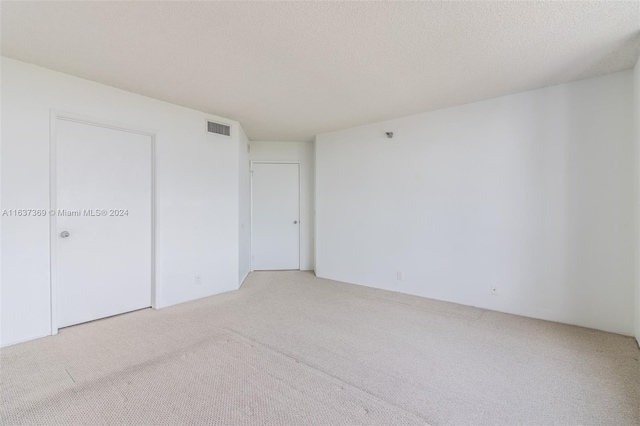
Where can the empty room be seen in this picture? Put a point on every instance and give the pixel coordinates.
(320, 213)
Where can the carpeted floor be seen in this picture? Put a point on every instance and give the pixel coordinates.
(289, 348)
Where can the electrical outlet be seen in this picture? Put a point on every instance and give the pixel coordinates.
(494, 290)
(400, 276)
(198, 280)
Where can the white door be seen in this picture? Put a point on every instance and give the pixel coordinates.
(103, 261)
(275, 214)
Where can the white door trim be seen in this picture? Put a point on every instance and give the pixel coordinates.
(299, 163)
(54, 116)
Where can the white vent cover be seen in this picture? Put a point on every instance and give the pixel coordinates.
(219, 129)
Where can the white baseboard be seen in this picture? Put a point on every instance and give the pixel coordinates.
(244, 278)
(28, 339)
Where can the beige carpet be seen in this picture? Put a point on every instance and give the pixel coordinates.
(289, 348)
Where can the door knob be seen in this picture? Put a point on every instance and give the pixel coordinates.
(295, 221)
(64, 234)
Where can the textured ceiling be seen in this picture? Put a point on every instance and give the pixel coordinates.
(291, 70)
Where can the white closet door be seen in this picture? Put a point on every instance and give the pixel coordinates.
(276, 221)
(104, 243)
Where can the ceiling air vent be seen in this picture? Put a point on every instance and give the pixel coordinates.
(218, 129)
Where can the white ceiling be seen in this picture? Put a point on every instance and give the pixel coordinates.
(290, 70)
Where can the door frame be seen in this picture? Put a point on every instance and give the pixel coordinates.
(54, 116)
(299, 163)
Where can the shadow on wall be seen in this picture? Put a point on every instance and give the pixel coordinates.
(571, 246)
(599, 206)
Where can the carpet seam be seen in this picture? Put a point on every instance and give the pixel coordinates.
(326, 374)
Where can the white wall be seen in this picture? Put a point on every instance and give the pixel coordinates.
(304, 153)
(197, 192)
(636, 121)
(244, 261)
(532, 192)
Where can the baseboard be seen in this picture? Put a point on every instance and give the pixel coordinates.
(243, 279)
(28, 339)
(502, 309)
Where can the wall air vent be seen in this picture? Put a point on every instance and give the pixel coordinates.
(218, 129)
